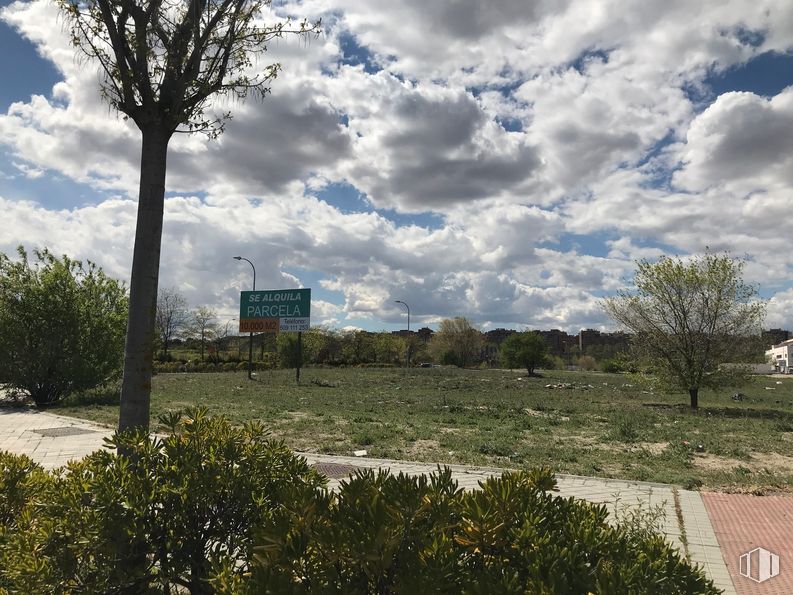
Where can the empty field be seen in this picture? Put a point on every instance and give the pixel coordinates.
(581, 423)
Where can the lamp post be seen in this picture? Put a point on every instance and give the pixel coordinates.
(408, 336)
(250, 344)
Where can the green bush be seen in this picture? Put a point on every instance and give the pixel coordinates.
(216, 509)
(176, 515)
(612, 366)
(398, 534)
(62, 325)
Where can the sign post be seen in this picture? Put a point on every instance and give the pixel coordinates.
(277, 311)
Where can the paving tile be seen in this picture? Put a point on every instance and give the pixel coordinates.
(744, 523)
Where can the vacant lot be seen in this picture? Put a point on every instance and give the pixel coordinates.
(582, 423)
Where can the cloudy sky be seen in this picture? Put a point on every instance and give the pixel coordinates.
(507, 161)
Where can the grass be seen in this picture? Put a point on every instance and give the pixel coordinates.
(588, 424)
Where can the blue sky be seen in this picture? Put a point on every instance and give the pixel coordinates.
(509, 163)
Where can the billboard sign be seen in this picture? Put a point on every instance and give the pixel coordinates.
(275, 310)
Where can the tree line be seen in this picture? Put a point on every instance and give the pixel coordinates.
(197, 335)
(62, 328)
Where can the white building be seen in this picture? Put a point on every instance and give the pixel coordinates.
(781, 356)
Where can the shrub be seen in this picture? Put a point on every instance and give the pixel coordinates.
(556, 362)
(398, 534)
(184, 514)
(20, 480)
(625, 428)
(587, 362)
(175, 515)
(612, 366)
(63, 326)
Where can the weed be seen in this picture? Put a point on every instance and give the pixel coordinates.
(610, 429)
(625, 429)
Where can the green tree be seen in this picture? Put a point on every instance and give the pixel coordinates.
(457, 342)
(162, 61)
(61, 325)
(690, 317)
(289, 356)
(358, 347)
(388, 348)
(524, 350)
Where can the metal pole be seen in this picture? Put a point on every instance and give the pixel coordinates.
(299, 356)
(407, 355)
(250, 341)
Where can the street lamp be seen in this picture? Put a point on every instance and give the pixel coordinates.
(250, 343)
(408, 335)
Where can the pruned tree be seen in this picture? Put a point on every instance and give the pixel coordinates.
(171, 317)
(688, 318)
(203, 326)
(524, 350)
(162, 61)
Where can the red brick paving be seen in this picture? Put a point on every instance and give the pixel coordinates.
(743, 523)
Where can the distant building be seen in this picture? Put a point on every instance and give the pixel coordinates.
(775, 336)
(589, 338)
(425, 333)
(559, 342)
(780, 356)
(497, 335)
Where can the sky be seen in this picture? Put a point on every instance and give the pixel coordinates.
(508, 161)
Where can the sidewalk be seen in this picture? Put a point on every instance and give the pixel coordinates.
(52, 440)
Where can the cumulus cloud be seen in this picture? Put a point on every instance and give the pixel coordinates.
(517, 123)
(740, 142)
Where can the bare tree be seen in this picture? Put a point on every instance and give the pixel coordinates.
(162, 61)
(171, 318)
(203, 326)
(220, 342)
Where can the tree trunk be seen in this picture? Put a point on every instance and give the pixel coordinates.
(694, 393)
(139, 348)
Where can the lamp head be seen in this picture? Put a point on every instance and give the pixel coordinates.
(237, 257)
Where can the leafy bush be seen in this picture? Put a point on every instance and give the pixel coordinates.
(625, 428)
(20, 479)
(177, 514)
(612, 366)
(185, 514)
(399, 534)
(62, 325)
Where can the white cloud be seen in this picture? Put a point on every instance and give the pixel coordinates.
(518, 123)
(741, 142)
